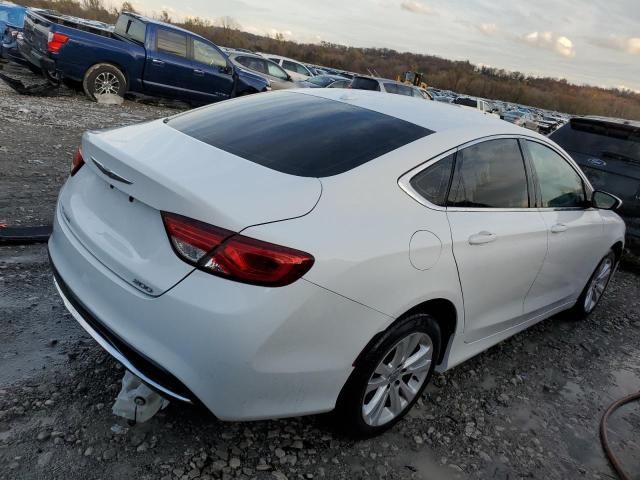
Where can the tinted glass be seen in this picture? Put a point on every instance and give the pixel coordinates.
(205, 53)
(490, 175)
(298, 134)
(362, 83)
(253, 63)
(172, 42)
(560, 185)
(433, 182)
(469, 102)
(599, 139)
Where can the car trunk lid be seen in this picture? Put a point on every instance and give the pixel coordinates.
(113, 204)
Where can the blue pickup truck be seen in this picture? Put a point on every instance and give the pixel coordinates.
(137, 55)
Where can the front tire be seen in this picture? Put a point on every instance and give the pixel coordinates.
(595, 288)
(390, 377)
(104, 78)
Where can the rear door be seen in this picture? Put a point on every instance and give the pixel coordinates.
(211, 75)
(499, 237)
(576, 236)
(168, 70)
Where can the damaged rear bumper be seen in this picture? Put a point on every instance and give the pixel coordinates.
(146, 369)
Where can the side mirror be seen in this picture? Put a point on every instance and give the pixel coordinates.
(227, 69)
(605, 201)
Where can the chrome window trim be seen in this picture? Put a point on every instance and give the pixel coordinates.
(404, 181)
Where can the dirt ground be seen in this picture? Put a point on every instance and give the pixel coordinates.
(527, 408)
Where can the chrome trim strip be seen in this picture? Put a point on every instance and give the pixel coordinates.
(112, 351)
(404, 182)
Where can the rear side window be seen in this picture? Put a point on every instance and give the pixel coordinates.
(490, 174)
(361, 83)
(131, 28)
(174, 43)
(298, 134)
(253, 63)
(433, 182)
(560, 185)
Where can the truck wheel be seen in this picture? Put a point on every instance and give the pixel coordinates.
(104, 78)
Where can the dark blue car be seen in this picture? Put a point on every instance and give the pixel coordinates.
(137, 55)
(11, 22)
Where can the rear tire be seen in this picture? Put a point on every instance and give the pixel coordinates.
(390, 377)
(595, 288)
(104, 78)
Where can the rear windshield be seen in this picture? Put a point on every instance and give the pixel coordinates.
(600, 139)
(361, 83)
(298, 134)
(130, 27)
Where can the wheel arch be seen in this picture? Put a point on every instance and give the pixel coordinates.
(618, 248)
(443, 311)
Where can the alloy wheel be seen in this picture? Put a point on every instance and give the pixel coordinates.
(598, 284)
(397, 379)
(106, 83)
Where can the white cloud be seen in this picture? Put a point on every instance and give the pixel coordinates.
(488, 28)
(630, 45)
(560, 44)
(416, 7)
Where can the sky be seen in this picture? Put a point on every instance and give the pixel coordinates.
(595, 42)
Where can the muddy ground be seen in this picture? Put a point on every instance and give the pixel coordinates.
(527, 408)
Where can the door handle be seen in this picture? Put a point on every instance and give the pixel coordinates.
(200, 73)
(559, 228)
(482, 237)
(155, 61)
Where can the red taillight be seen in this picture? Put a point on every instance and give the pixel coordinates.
(55, 41)
(236, 257)
(192, 239)
(77, 162)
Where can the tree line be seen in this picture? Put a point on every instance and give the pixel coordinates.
(458, 76)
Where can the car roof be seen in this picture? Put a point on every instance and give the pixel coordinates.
(436, 116)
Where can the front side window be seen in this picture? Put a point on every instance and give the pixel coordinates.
(174, 43)
(560, 185)
(205, 53)
(362, 83)
(433, 182)
(275, 71)
(490, 174)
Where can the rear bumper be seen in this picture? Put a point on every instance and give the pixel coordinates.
(34, 57)
(146, 369)
(245, 352)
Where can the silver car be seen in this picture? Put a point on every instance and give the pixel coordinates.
(278, 78)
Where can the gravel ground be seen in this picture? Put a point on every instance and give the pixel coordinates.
(527, 408)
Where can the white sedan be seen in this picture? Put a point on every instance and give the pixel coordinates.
(304, 251)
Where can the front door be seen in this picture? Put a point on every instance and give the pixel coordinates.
(212, 78)
(499, 237)
(575, 231)
(168, 67)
